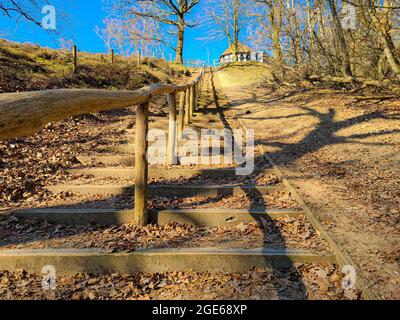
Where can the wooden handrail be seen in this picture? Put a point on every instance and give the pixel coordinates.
(24, 114)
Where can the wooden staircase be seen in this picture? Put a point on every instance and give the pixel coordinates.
(116, 162)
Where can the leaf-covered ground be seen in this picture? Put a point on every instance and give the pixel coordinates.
(28, 165)
(280, 233)
(341, 149)
(300, 282)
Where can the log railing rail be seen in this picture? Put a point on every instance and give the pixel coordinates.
(27, 113)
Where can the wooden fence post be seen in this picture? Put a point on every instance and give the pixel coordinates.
(112, 56)
(139, 58)
(199, 90)
(141, 165)
(196, 95)
(181, 120)
(75, 50)
(171, 150)
(192, 100)
(187, 106)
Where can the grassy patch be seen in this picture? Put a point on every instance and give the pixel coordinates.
(27, 67)
(245, 73)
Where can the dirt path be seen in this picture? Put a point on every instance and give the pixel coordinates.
(341, 151)
(298, 281)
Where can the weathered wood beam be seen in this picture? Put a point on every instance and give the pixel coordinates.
(187, 106)
(141, 164)
(25, 114)
(181, 118)
(172, 142)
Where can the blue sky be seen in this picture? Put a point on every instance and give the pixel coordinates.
(83, 16)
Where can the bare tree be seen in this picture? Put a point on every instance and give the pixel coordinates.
(32, 11)
(129, 35)
(106, 33)
(28, 9)
(345, 57)
(116, 35)
(142, 34)
(226, 19)
(269, 14)
(381, 23)
(66, 44)
(172, 14)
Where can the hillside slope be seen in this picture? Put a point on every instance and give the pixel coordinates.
(27, 67)
(245, 73)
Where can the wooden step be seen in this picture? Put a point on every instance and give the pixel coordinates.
(194, 217)
(73, 261)
(123, 148)
(127, 161)
(168, 190)
(173, 173)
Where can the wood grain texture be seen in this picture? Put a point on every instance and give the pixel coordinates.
(181, 117)
(25, 114)
(172, 159)
(187, 106)
(141, 164)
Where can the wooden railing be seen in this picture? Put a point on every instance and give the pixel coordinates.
(27, 113)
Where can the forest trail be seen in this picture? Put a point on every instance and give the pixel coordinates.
(215, 234)
(341, 150)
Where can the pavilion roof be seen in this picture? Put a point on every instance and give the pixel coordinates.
(242, 48)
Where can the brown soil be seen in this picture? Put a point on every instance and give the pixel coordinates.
(342, 151)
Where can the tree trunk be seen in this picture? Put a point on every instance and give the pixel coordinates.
(346, 66)
(179, 47)
(236, 32)
(235, 51)
(381, 67)
(310, 26)
(275, 20)
(387, 42)
(321, 37)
